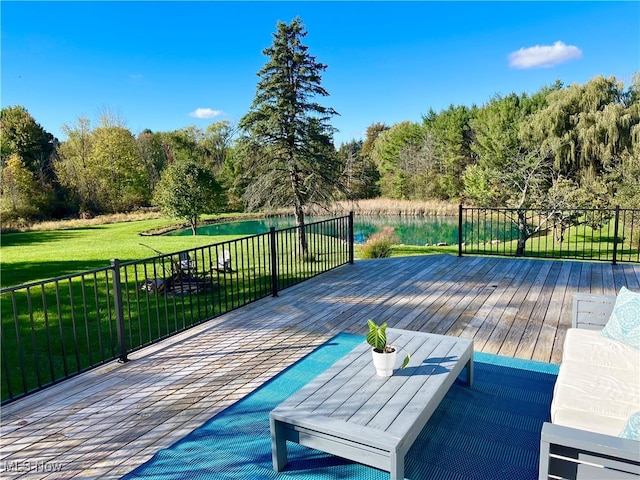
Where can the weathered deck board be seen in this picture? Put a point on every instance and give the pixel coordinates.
(104, 423)
(511, 327)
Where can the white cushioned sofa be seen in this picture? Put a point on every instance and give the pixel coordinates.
(595, 399)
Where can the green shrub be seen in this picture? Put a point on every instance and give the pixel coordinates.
(379, 245)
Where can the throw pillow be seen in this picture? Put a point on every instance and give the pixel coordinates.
(624, 323)
(632, 427)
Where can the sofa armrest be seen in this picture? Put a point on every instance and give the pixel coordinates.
(591, 311)
(569, 453)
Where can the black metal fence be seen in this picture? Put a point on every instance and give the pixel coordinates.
(611, 235)
(57, 328)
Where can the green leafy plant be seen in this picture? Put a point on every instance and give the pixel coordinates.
(377, 338)
(188, 190)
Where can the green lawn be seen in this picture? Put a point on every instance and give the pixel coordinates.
(60, 328)
(581, 242)
(38, 255)
(409, 250)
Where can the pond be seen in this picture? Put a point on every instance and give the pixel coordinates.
(410, 230)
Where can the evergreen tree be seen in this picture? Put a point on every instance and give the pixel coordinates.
(289, 148)
(453, 137)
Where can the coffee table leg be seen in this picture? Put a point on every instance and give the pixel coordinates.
(469, 368)
(397, 466)
(278, 445)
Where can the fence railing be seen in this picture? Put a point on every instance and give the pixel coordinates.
(611, 235)
(57, 328)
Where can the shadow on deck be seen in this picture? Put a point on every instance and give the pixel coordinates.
(104, 423)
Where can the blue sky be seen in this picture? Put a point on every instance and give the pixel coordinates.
(168, 65)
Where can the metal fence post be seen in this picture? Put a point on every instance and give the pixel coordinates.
(460, 230)
(117, 299)
(615, 235)
(351, 237)
(274, 261)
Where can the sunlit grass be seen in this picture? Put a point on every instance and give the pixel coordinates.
(60, 328)
(41, 254)
(409, 250)
(581, 242)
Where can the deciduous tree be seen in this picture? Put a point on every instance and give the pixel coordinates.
(153, 154)
(103, 167)
(386, 154)
(123, 184)
(34, 149)
(417, 169)
(587, 127)
(627, 180)
(216, 143)
(23, 136)
(21, 197)
(360, 175)
(188, 190)
(73, 167)
(507, 172)
(519, 184)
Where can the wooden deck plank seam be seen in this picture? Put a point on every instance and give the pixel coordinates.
(106, 422)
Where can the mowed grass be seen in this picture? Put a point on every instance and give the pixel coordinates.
(62, 328)
(42, 254)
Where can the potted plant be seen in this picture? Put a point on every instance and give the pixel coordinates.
(384, 356)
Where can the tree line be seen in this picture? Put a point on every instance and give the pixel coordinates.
(576, 144)
(572, 146)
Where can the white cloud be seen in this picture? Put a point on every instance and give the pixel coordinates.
(135, 76)
(205, 113)
(544, 55)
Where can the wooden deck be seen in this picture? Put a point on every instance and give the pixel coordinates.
(106, 422)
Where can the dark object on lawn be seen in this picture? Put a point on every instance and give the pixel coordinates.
(180, 278)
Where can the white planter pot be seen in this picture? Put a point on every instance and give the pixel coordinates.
(384, 362)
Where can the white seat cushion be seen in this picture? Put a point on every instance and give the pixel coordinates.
(588, 394)
(589, 347)
(590, 423)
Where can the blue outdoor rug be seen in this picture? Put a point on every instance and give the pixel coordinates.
(490, 431)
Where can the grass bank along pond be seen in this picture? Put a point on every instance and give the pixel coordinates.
(410, 230)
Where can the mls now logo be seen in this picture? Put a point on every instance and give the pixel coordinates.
(26, 466)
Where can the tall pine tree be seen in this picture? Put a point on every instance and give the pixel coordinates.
(291, 160)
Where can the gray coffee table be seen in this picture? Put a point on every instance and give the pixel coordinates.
(350, 412)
